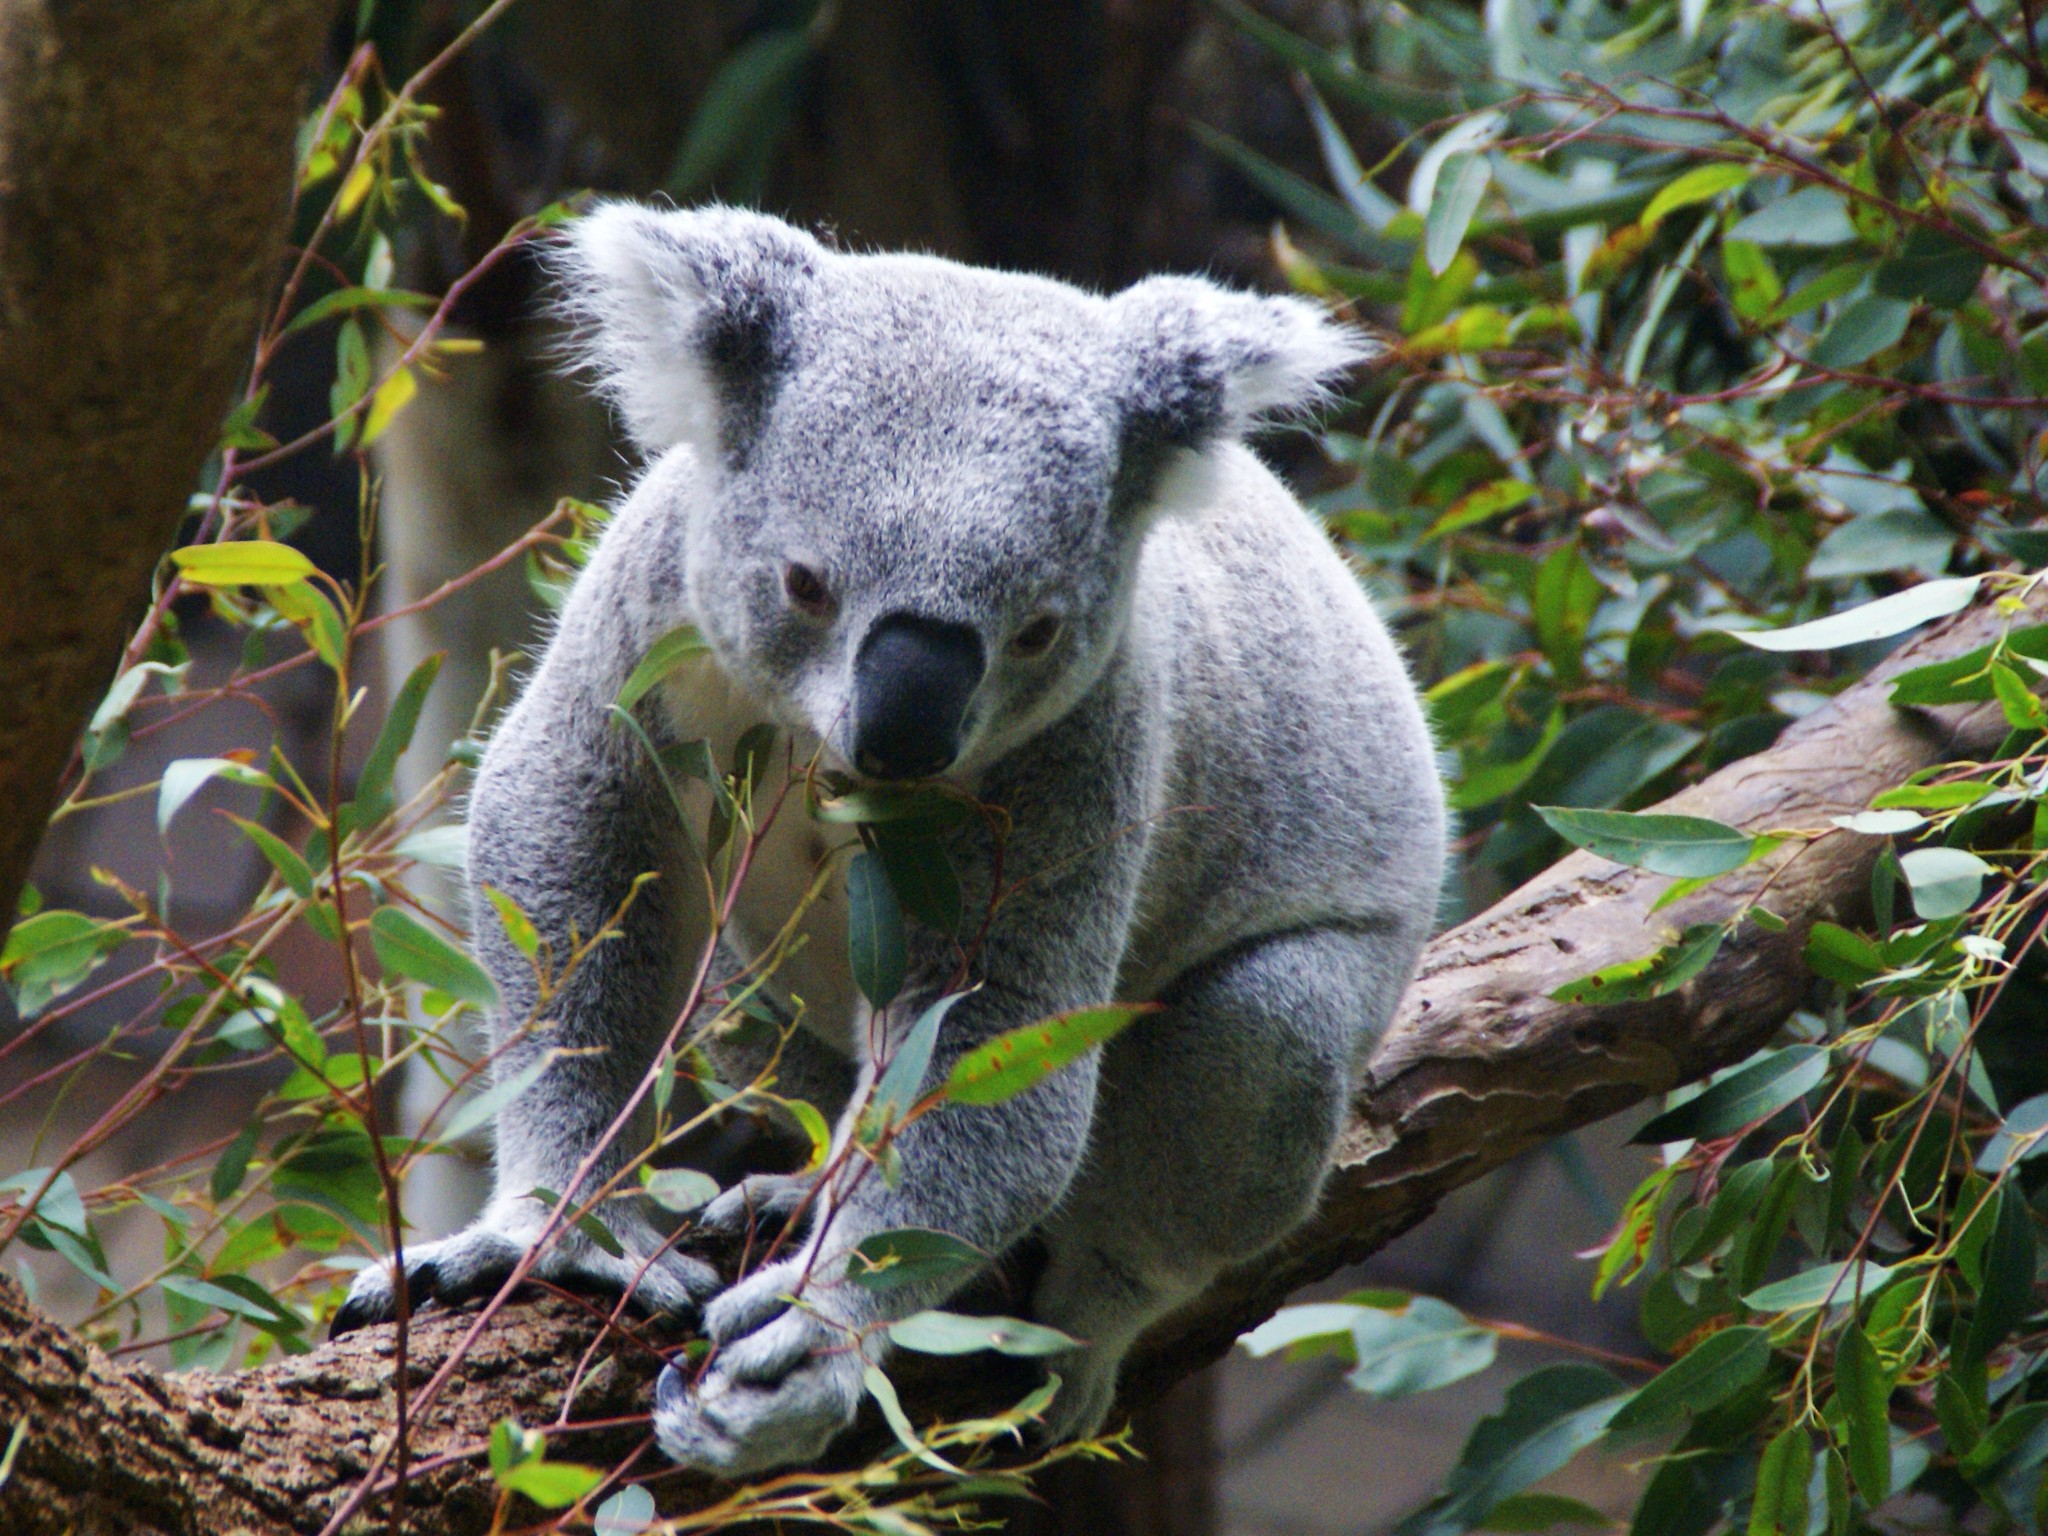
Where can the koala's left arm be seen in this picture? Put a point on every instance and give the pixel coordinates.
(787, 1373)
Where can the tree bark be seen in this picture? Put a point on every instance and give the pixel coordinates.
(1480, 1066)
(145, 175)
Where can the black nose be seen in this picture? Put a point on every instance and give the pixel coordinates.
(911, 684)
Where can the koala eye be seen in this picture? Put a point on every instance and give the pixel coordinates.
(1036, 637)
(806, 590)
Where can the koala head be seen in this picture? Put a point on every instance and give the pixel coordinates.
(925, 485)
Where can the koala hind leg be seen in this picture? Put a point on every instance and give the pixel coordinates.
(1213, 1128)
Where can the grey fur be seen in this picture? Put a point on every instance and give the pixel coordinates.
(1222, 792)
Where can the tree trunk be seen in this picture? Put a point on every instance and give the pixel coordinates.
(1480, 1066)
(145, 175)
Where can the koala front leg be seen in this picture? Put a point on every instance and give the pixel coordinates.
(565, 817)
(1215, 1123)
(793, 1339)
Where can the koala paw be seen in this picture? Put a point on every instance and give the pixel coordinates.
(781, 1384)
(477, 1260)
(763, 1201)
(1086, 1395)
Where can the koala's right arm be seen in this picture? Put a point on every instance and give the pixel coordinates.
(566, 814)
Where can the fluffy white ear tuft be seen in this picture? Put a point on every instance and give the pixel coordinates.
(1208, 362)
(681, 316)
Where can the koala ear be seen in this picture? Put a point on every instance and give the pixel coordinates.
(1202, 362)
(683, 317)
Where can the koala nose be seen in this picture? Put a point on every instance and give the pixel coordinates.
(912, 681)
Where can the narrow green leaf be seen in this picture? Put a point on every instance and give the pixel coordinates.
(1742, 1098)
(1721, 1365)
(900, 1256)
(883, 1391)
(373, 785)
(902, 1079)
(472, 1114)
(1837, 1284)
(874, 931)
(188, 775)
(1888, 616)
(551, 1484)
(513, 919)
(2006, 1295)
(1865, 1392)
(282, 856)
(1689, 846)
(1460, 188)
(408, 947)
(1779, 1507)
(951, 1333)
(1023, 1058)
(241, 563)
(662, 658)
(1701, 184)
(920, 873)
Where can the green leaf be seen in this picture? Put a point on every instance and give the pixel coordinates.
(2019, 1137)
(1688, 846)
(60, 1206)
(1718, 1367)
(408, 947)
(2019, 1426)
(1864, 328)
(1549, 1416)
(1495, 781)
(1812, 216)
(662, 658)
(1023, 1058)
(883, 1391)
(951, 1333)
(444, 847)
(586, 1222)
(1888, 616)
(1316, 1324)
(1779, 1507)
(1426, 1345)
(473, 1113)
(1631, 981)
(1836, 1284)
(373, 785)
(1742, 1098)
(874, 931)
(920, 873)
(626, 1513)
(1944, 881)
(235, 1302)
(1701, 184)
(1481, 505)
(49, 953)
(1864, 1390)
(232, 1166)
(1460, 187)
(902, 1079)
(347, 300)
(512, 918)
(188, 775)
(1753, 285)
(392, 396)
(899, 1256)
(283, 857)
(681, 1190)
(241, 563)
(551, 1484)
(1929, 265)
(1542, 1512)
(1897, 539)
(2006, 1295)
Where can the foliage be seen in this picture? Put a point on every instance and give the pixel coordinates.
(1720, 358)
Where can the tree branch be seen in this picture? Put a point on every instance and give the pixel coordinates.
(1480, 1067)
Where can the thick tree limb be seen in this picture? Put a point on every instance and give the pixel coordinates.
(1480, 1067)
(145, 172)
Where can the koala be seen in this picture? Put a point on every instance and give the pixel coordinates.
(937, 523)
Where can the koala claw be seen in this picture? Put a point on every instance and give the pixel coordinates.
(783, 1382)
(766, 1200)
(477, 1260)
